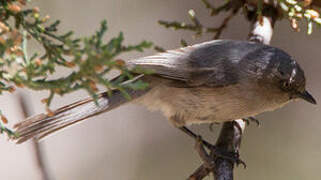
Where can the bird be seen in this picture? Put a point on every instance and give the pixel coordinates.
(210, 82)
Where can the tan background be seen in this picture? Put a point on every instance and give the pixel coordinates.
(133, 144)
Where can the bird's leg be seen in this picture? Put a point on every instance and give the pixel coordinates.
(215, 152)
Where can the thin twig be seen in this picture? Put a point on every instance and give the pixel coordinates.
(200, 173)
(220, 29)
(37, 148)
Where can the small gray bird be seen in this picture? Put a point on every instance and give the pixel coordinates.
(215, 81)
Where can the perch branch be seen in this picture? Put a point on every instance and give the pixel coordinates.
(231, 133)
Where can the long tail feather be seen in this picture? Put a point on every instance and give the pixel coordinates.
(42, 125)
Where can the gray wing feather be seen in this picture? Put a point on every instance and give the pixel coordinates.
(212, 63)
(171, 64)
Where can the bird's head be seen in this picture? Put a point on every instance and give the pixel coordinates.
(289, 76)
(277, 70)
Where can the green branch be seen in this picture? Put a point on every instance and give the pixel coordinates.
(87, 60)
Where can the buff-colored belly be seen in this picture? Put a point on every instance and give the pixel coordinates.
(206, 105)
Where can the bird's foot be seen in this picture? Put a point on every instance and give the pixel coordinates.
(251, 119)
(215, 152)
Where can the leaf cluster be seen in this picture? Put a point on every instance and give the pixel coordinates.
(87, 60)
(293, 10)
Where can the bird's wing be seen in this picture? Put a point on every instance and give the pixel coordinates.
(211, 63)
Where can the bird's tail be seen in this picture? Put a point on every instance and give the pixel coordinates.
(42, 125)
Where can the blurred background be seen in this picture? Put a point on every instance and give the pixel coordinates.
(131, 143)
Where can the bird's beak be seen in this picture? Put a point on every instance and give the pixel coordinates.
(305, 95)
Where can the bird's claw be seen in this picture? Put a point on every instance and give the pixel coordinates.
(238, 161)
(215, 152)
